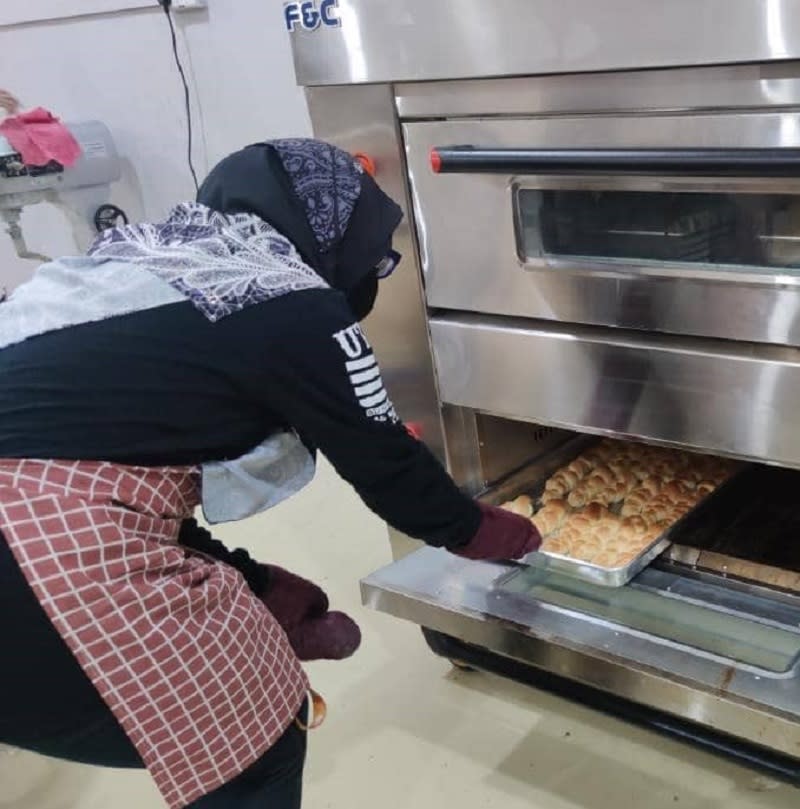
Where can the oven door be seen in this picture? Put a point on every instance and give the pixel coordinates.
(734, 669)
(673, 223)
(709, 633)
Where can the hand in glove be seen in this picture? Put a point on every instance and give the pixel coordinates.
(501, 535)
(334, 636)
(301, 608)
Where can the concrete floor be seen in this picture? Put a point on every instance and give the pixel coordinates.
(405, 730)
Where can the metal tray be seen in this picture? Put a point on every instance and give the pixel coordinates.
(749, 533)
(531, 481)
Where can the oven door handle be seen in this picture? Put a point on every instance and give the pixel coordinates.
(776, 162)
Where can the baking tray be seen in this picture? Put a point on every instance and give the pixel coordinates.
(749, 532)
(531, 481)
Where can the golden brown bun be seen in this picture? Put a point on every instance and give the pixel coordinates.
(562, 482)
(651, 484)
(579, 496)
(634, 524)
(523, 506)
(551, 517)
(580, 466)
(673, 491)
(650, 488)
(705, 488)
(594, 511)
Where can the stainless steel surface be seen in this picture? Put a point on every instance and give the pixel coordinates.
(484, 449)
(506, 445)
(416, 40)
(702, 617)
(465, 600)
(601, 576)
(774, 86)
(363, 120)
(463, 448)
(720, 397)
(479, 268)
(733, 397)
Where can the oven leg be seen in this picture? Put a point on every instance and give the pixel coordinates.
(772, 764)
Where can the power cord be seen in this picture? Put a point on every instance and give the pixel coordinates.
(167, 5)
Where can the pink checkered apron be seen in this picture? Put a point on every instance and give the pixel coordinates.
(193, 666)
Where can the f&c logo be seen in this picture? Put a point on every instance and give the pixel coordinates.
(310, 15)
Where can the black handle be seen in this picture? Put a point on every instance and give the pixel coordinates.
(684, 162)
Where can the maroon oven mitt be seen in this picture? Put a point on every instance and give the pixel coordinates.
(334, 636)
(301, 608)
(292, 599)
(501, 535)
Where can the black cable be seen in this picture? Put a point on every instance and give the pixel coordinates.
(165, 4)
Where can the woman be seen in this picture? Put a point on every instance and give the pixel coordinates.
(202, 359)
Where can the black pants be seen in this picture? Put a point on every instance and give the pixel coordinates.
(48, 705)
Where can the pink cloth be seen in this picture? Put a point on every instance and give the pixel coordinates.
(40, 137)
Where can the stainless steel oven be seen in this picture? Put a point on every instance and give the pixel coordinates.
(603, 215)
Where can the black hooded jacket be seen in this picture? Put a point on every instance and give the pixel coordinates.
(166, 386)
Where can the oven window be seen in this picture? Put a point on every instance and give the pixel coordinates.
(741, 231)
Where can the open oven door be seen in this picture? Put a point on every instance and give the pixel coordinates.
(691, 657)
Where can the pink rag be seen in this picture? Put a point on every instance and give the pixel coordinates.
(40, 137)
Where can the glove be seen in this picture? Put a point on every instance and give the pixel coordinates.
(501, 535)
(301, 608)
(334, 636)
(292, 599)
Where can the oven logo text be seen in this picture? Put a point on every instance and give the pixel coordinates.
(309, 16)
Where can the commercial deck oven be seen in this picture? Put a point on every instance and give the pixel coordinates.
(602, 239)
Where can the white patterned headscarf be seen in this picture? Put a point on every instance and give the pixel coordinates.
(221, 263)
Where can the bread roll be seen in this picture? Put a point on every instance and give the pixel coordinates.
(581, 466)
(605, 530)
(652, 485)
(604, 475)
(584, 550)
(581, 494)
(673, 491)
(562, 482)
(705, 488)
(601, 485)
(608, 559)
(523, 506)
(593, 512)
(556, 546)
(551, 517)
(636, 523)
(666, 509)
(626, 483)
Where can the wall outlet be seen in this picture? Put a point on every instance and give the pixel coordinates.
(188, 5)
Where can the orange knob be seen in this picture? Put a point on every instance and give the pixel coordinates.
(367, 163)
(414, 429)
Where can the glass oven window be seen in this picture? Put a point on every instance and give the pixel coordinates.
(741, 231)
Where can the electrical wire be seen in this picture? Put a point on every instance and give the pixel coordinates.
(186, 95)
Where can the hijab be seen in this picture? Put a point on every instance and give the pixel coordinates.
(318, 197)
(271, 219)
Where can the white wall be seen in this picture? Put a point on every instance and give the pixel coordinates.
(119, 68)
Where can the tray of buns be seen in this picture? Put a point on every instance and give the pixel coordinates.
(611, 507)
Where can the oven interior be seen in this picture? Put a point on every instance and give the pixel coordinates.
(727, 586)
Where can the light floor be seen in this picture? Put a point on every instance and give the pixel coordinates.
(405, 730)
